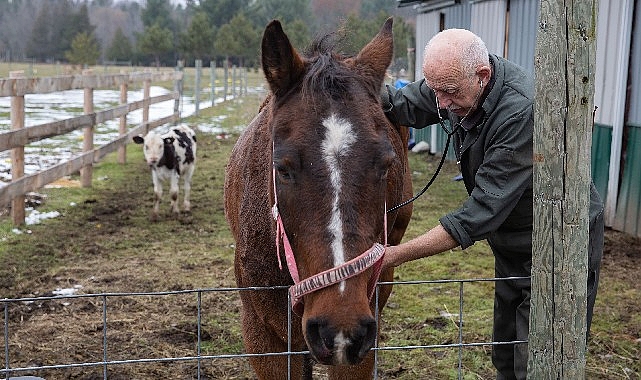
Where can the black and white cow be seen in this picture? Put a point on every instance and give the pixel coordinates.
(170, 155)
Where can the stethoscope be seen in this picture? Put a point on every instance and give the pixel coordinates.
(450, 133)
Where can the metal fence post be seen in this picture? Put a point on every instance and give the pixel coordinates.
(212, 77)
(226, 69)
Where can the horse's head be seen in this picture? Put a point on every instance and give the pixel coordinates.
(334, 156)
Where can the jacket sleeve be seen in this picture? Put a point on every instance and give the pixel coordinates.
(412, 106)
(502, 194)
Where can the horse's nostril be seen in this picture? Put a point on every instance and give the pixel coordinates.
(328, 345)
(320, 338)
(362, 341)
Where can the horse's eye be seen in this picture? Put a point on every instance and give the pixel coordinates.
(284, 174)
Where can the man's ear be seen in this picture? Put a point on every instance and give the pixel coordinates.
(484, 73)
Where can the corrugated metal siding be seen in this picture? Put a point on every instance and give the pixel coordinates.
(628, 211)
(628, 214)
(609, 31)
(634, 114)
(613, 37)
(458, 16)
(427, 25)
(488, 22)
(522, 24)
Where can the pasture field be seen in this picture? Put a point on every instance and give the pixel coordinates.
(104, 242)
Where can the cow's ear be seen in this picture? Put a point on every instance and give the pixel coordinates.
(139, 139)
(168, 140)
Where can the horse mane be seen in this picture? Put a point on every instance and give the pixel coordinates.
(326, 74)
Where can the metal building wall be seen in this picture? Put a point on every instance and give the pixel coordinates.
(611, 41)
(458, 16)
(488, 22)
(427, 25)
(613, 87)
(522, 24)
(628, 211)
(614, 29)
(634, 113)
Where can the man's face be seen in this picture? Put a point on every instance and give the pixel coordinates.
(456, 90)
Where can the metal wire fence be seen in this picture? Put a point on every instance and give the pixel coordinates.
(107, 362)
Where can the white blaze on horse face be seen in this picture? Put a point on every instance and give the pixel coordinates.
(339, 138)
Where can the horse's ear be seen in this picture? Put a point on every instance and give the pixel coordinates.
(374, 59)
(281, 63)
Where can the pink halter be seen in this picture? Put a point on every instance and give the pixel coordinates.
(373, 257)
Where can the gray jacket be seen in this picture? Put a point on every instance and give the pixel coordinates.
(494, 152)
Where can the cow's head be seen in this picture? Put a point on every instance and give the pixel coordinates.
(153, 146)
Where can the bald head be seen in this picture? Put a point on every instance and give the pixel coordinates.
(456, 67)
(456, 48)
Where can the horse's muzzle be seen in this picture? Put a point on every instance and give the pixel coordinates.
(333, 346)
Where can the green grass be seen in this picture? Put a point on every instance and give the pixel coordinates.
(106, 243)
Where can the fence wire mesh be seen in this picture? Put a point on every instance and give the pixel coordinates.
(104, 303)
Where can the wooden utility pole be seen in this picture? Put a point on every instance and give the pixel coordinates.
(564, 70)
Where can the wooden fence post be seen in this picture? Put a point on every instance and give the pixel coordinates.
(86, 172)
(17, 154)
(564, 70)
(122, 128)
(178, 87)
(145, 96)
(199, 69)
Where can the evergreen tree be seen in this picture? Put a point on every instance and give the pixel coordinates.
(198, 41)
(120, 48)
(298, 33)
(84, 50)
(238, 39)
(157, 12)
(156, 41)
(221, 12)
(40, 46)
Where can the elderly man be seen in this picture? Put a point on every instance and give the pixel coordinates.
(489, 103)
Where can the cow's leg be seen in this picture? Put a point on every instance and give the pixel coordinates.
(157, 194)
(187, 187)
(173, 192)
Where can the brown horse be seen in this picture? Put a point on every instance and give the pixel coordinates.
(311, 178)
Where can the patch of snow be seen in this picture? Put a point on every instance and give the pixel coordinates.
(35, 217)
(44, 108)
(67, 291)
